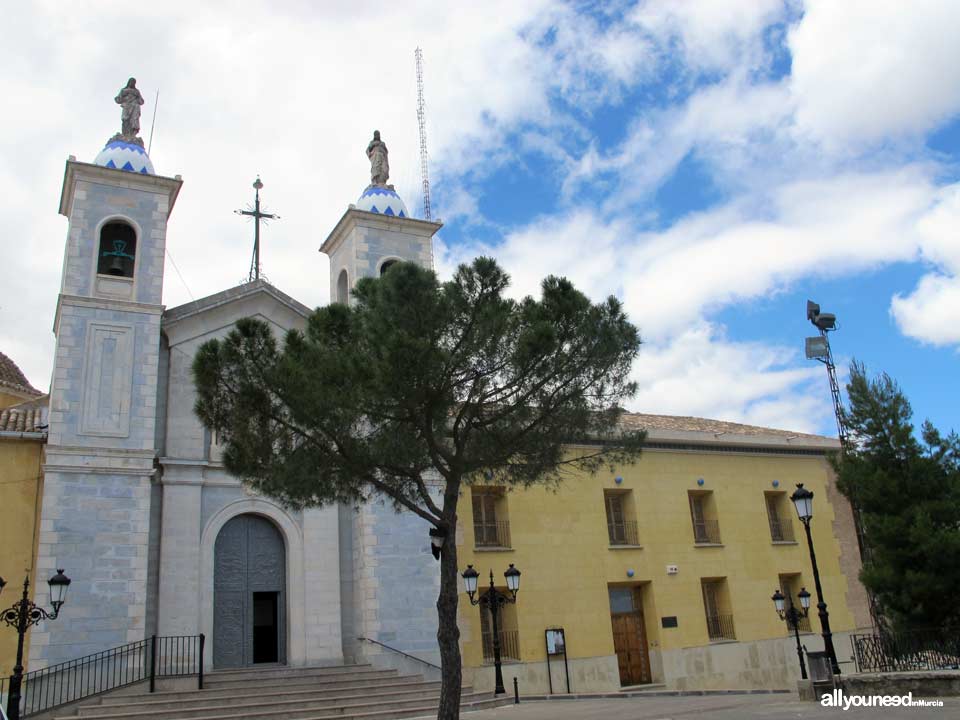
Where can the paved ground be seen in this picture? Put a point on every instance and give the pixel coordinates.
(728, 707)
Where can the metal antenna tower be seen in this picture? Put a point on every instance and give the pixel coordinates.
(257, 215)
(422, 122)
(818, 348)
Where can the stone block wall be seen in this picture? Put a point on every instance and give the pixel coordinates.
(96, 527)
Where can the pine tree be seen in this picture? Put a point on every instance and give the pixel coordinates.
(418, 380)
(908, 490)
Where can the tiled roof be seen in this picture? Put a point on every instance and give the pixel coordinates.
(12, 377)
(28, 417)
(681, 423)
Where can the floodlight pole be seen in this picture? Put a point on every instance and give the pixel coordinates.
(834, 391)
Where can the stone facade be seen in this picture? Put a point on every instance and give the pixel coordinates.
(95, 516)
(135, 492)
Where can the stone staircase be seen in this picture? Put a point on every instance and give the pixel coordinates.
(359, 692)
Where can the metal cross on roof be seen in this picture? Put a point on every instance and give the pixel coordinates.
(257, 214)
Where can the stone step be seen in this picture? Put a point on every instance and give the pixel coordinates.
(326, 687)
(202, 705)
(294, 679)
(371, 709)
(269, 671)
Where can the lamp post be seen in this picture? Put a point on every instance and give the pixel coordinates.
(793, 617)
(803, 502)
(21, 615)
(494, 600)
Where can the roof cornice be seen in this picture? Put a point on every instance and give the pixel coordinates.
(354, 216)
(75, 171)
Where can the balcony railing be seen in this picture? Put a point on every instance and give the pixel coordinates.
(623, 533)
(803, 625)
(781, 529)
(706, 532)
(491, 534)
(720, 627)
(509, 645)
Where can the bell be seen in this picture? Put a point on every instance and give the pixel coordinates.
(116, 266)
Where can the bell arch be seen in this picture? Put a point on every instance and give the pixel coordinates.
(117, 248)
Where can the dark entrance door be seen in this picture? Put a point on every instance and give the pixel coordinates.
(629, 635)
(249, 593)
(630, 643)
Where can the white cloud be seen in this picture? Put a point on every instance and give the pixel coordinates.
(867, 71)
(701, 373)
(930, 313)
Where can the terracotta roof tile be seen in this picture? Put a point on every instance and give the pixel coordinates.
(12, 377)
(29, 417)
(681, 423)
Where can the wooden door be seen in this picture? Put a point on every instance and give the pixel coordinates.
(630, 643)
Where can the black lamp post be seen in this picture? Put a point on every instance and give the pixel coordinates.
(21, 615)
(793, 616)
(494, 600)
(803, 501)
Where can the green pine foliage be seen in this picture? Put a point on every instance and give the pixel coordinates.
(908, 491)
(419, 382)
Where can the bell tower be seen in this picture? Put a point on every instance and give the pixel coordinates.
(95, 518)
(376, 231)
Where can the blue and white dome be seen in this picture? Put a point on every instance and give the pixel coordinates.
(383, 200)
(121, 155)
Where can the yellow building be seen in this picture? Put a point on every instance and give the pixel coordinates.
(662, 572)
(22, 438)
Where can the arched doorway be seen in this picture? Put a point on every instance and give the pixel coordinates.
(249, 593)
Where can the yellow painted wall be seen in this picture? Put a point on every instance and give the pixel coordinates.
(20, 486)
(560, 544)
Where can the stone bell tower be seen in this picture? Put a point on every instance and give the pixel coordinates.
(375, 232)
(95, 518)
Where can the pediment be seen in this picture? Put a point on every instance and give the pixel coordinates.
(214, 315)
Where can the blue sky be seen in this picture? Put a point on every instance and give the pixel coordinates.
(714, 164)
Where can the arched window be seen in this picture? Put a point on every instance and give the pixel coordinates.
(343, 287)
(118, 249)
(386, 266)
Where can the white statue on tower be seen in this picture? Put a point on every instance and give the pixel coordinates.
(131, 100)
(379, 167)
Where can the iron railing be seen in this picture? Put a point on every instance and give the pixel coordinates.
(720, 627)
(781, 529)
(898, 652)
(706, 532)
(623, 533)
(509, 645)
(803, 624)
(491, 534)
(141, 661)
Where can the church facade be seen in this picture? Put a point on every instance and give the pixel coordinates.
(136, 505)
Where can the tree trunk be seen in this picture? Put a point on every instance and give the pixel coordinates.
(448, 633)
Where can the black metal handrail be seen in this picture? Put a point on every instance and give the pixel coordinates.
(400, 652)
(141, 661)
(899, 652)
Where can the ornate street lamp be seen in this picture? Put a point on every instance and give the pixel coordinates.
(793, 617)
(494, 600)
(21, 615)
(437, 537)
(803, 502)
